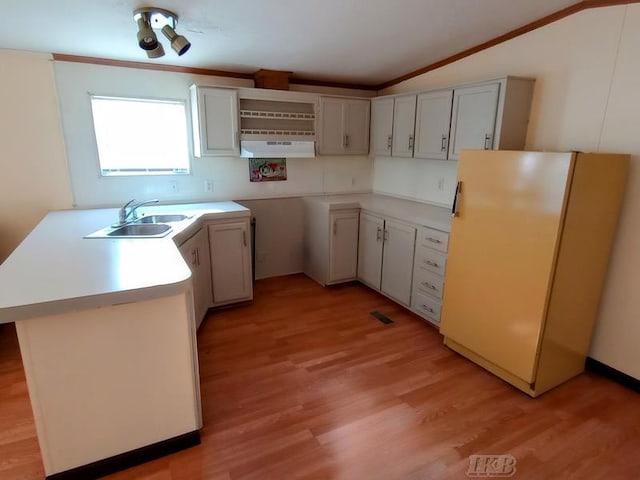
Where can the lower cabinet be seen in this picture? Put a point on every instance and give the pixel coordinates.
(195, 252)
(404, 261)
(219, 256)
(343, 246)
(428, 273)
(330, 243)
(386, 256)
(230, 250)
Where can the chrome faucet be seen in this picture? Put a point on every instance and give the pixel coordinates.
(123, 214)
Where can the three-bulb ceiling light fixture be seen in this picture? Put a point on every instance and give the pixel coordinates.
(149, 18)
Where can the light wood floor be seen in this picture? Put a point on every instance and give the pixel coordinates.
(304, 383)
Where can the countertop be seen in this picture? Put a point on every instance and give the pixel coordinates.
(55, 270)
(424, 214)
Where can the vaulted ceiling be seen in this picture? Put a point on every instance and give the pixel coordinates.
(353, 41)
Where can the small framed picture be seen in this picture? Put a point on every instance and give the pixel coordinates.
(267, 169)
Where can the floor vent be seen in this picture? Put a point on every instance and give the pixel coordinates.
(381, 316)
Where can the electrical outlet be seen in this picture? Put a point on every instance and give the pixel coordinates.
(208, 186)
(441, 183)
(173, 186)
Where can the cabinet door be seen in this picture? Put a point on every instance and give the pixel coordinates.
(381, 126)
(189, 252)
(473, 119)
(357, 126)
(370, 250)
(433, 119)
(218, 122)
(343, 246)
(404, 118)
(332, 127)
(202, 280)
(229, 246)
(397, 263)
(195, 252)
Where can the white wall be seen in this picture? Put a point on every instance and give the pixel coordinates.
(279, 235)
(230, 174)
(587, 97)
(32, 155)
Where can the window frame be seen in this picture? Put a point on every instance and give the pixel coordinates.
(140, 173)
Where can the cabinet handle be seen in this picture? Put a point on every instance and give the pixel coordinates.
(194, 258)
(410, 142)
(389, 141)
(433, 240)
(379, 234)
(454, 208)
(385, 238)
(335, 227)
(428, 309)
(244, 238)
(487, 142)
(428, 285)
(345, 141)
(198, 256)
(432, 264)
(443, 145)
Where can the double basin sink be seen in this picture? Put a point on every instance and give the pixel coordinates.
(144, 227)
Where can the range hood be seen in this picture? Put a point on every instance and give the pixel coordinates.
(277, 149)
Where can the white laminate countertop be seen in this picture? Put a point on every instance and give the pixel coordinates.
(424, 214)
(55, 270)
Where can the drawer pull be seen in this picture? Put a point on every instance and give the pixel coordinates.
(434, 240)
(432, 264)
(378, 234)
(427, 308)
(428, 285)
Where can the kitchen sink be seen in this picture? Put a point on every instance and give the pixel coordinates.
(141, 230)
(162, 218)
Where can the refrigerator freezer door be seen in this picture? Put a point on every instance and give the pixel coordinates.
(502, 254)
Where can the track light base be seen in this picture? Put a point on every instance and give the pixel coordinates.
(157, 17)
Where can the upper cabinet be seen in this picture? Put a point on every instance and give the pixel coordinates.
(381, 125)
(215, 121)
(433, 120)
(473, 118)
(487, 115)
(344, 126)
(404, 119)
(392, 125)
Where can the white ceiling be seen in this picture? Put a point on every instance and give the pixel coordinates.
(356, 41)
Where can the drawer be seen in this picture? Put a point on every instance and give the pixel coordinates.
(426, 306)
(428, 237)
(429, 259)
(428, 282)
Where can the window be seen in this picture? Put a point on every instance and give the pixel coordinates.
(140, 137)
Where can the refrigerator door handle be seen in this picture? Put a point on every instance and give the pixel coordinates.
(454, 208)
